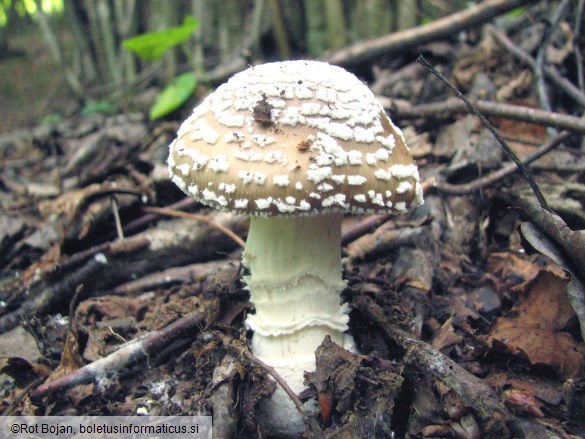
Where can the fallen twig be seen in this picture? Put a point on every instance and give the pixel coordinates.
(118, 223)
(445, 109)
(364, 227)
(52, 294)
(493, 177)
(382, 242)
(411, 38)
(223, 397)
(126, 246)
(171, 276)
(150, 217)
(94, 260)
(541, 55)
(129, 353)
(573, 242)
(577, 34)
(196, 217)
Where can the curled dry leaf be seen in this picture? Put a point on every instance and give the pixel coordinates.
(534, 327)
(446, 336)
(576, 286)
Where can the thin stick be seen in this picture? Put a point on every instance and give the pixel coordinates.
(201, 218)
(525, 172)
(540, 60)
(461, 189)
(309, 420)
(148, 218)
(364, 227)
(115, 210)
(272, 372)
(129, 353)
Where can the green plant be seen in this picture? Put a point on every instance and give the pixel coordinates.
(173, 95)
(98, 107)
(152, 46)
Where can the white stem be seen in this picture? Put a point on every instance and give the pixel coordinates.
(295, 284)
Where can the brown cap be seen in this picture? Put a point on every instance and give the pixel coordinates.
(294, 137)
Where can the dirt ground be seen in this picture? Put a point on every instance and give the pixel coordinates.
(469, 312)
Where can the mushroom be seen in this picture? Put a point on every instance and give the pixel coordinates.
(295, 145)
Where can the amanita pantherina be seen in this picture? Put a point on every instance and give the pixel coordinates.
(295, 145)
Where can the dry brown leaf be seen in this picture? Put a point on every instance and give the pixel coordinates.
(534, 327)
(24, 371)
(520, 135)
(446, 336)
(512, 266)
(71, 361)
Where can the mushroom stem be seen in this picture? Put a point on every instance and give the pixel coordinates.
(295, 284)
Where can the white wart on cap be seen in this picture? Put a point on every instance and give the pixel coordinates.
(294, 137)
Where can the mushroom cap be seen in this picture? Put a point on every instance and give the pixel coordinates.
(294, 138)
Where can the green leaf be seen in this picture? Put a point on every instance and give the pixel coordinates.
(151, 46)
(102, 107)
(173, 95)
(517, 12)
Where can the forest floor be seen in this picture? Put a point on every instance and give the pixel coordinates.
(469, 312)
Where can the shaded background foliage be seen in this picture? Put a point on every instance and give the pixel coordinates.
(76, 48)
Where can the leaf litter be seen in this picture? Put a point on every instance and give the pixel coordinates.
(479, 340)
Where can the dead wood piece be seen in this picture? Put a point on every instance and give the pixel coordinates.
(170, 276)
(364, 227)
(125, 246)
(453, 106)
(382, 241)
(95, 261)
(223, 398)
(129, 353)
(138, 223)
(432, 363)
(194, 216)
(413, 272)
(173, 243)
(542, 92)
(442, 28)
(49, 295)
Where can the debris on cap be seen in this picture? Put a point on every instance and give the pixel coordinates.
(294, 137)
